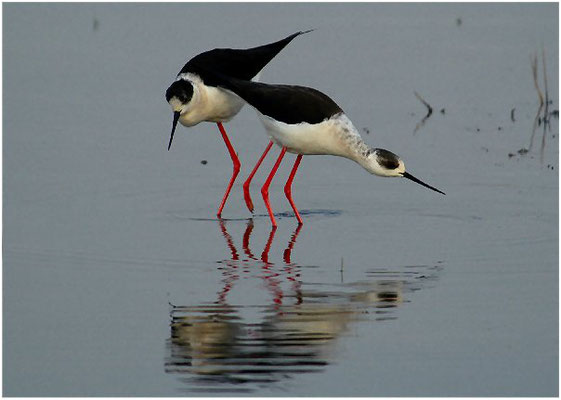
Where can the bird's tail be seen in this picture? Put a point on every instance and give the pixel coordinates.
(269, 51)
(260, 56)
(238, 63)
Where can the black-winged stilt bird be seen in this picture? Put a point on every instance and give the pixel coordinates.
(194, 96)
(304, 121)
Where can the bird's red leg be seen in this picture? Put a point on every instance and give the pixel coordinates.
(265, 188)
(235, 161)
(246, 194)
(288, 188)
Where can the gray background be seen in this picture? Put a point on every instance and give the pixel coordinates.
(103, 228)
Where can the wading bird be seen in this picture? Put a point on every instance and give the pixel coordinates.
(303, 120)
(194, 96)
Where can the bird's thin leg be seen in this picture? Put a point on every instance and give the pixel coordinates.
(265, 188)
(235, 161)
(288, 188)
(246, 194)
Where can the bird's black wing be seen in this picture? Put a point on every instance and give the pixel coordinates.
(288, 104)
(238, 63)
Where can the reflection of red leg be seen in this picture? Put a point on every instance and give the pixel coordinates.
(288, 187)
(270, 276)
(235, 161)
(245, 241)
(265, 188)
(230, 272)
(229, 240)
(246, 184)
(265, 254)
(287, 252)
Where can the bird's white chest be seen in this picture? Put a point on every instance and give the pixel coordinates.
(210, 104)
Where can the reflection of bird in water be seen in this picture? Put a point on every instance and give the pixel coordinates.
(216, 347)
(212, 341)
(384, 294)
(202, 336)
(195, 97)
(268, 273)
(305, 121)
(298, 327)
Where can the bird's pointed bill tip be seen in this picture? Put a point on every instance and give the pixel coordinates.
(420, 182)
(176, 115)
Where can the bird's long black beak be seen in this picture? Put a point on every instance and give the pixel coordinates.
(176, 115)
(420, 182)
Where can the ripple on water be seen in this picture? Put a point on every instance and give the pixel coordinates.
(316, 213)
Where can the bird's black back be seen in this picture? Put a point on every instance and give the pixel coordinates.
(284, 103)
(238, 63)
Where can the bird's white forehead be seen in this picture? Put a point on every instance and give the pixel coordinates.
(189, 76)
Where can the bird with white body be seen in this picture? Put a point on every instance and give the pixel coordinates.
(195, 97)
(304, 121)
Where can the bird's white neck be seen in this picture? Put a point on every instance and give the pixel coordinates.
(369, 158)
(355, 147)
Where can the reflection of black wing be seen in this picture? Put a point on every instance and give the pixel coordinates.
(237, 63)
(288, 104)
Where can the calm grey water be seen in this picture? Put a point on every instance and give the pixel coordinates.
(118, 279)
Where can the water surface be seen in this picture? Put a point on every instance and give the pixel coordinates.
(119, 280)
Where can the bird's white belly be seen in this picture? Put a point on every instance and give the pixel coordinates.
(305, 138)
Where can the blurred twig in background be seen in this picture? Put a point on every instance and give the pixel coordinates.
(540, 97)
(427, 105)
(543, 114)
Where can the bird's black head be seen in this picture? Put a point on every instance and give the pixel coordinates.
(178, 96)
(182, 90)
(386, 158)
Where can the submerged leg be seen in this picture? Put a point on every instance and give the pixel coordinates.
(288, 188)
(265, 188)
(235, 161)
(246, 194)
